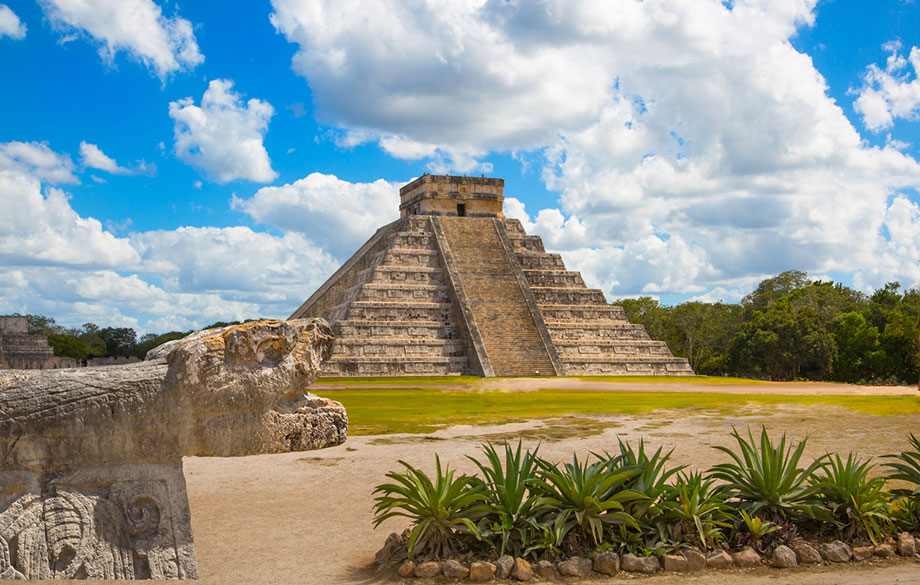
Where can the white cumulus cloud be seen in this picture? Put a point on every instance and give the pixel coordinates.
(163, 44)
(223, 137)
(94, 158)
(38, 160)
(332, 213)
(56, 262)
(10, 25)
(890, 93)
(666, 126)
(43, 229)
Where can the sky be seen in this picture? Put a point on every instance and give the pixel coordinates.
(167, 164)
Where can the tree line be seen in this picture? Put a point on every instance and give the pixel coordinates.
(89, 340)
(792, 327)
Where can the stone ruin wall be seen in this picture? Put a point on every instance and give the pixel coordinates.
(21, 351)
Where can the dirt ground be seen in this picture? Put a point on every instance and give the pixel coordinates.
(306, 517)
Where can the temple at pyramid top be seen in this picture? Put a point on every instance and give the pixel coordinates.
(453, 287)
(452, 196)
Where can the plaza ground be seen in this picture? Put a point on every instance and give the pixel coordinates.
(306, 517)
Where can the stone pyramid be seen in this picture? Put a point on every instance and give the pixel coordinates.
(454, 287)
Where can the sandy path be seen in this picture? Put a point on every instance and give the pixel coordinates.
(306, 517)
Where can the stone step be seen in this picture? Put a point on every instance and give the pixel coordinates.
(561, 278)
(513, 227)
(582, 313)
(525, 243)
(509, 334)
(611, 348)
(536, 261)
(562, 331)
(568, 296)
(397, 292)
(619, 366)
(412, 240)
(430, 275)
(405, 329)
(388, 366)
(407, 257)
(391, 311)
(399, 347)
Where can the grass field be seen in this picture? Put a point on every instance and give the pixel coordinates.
(473, 380)
(374, 411)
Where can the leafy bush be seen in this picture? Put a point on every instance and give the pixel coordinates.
(695, 503)
(851, 501)
(757, 528)
(767, 481)
(441, 510)
(511, 507)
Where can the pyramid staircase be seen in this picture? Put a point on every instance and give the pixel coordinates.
(591, 337)
(429, 295)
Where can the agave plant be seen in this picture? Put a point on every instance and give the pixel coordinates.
(441, 510)
(851, 500)
(584, 496)
(651, 479)
(511, 507)
(696, 501)
(767, 481)
(907, 469)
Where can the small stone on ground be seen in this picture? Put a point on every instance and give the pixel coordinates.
(480, 572)
(454, 569)
(545, 569)
(805, 553)
(696, 561)
(629, 562)
(503, 567)
(719, 559)
(522, 570)
(428, 570)
(746, 557)
(675, 563)
(907, 546)
(862, 553)
(835, 552)
(575, 567)
(784, 557)
(607, 563)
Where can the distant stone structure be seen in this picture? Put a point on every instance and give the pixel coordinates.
(117, 360)
(91, 483)
(454, 287)
(22, 351)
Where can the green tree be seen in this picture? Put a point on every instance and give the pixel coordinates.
(42, 325)
(785, 343)
(648, 312)
(857, 348)
(773, 289)
(119, 341)
(69, 346)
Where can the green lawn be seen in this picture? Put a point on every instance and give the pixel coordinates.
(412, 381)
(374, 411)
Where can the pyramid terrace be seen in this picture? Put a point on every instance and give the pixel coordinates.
(453, 287)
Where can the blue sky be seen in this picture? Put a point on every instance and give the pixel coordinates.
(167, 164)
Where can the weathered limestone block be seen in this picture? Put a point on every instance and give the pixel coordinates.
(91, 483)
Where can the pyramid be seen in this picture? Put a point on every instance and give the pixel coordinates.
(453, 287)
